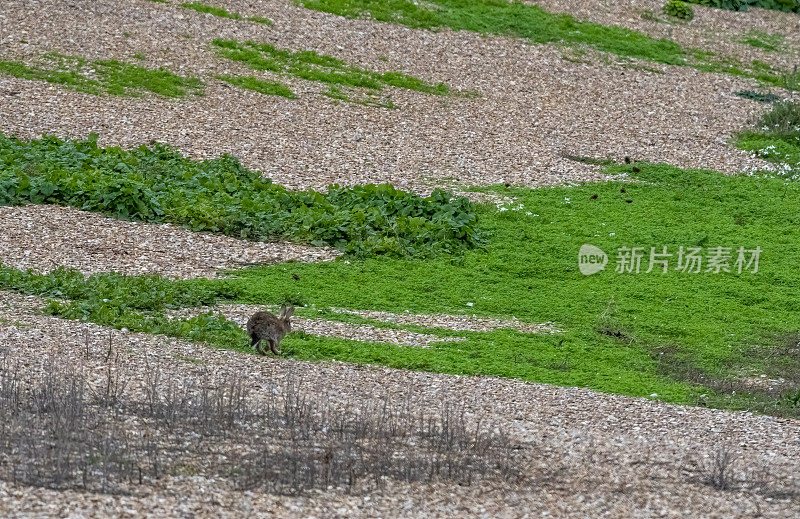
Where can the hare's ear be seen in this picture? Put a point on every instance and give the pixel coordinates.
(289, 312)
(283, 312)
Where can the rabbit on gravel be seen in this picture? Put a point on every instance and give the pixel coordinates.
(264, 326)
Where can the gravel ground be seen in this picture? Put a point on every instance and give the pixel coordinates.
(601, 454)
(534, 106)
(469, 323)
(43, 237)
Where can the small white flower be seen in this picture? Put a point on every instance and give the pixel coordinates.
(470, 304)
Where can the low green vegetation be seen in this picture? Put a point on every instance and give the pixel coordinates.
(223, 13)
(678, 9)
(507, 18)
(700, 338)
(707, 61)
(533, 23)
(775, 137)
(157, 184)
(758, 96)
(103, 76)
(763, 40)
(711, 337)
(270, 88)
(133, 302)
(312, 66)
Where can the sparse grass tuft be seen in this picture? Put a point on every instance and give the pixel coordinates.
(763, 40)
(758, 96)
(103, 76)
(224, 13)
(271, 88)
(311, 66)
(210, 9)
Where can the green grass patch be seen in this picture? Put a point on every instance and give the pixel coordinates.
(200, 7)
(103, 76)
(311, 66)
(157, 184)
(210, 9)
(270, 88)
(763, 40)
(711, 62)
(680, 335)
(516, 19)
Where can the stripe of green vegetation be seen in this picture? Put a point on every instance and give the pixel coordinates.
(119, 78)
(763, 40)
(676, 334)
(260, 19)
(157, 184)
(132, 302)
(312, 66)
(143, 293)
(506, 18)
(70, 78)
(533, 23)
(110, 76)
(221, 12)
(263, 87)
(210, 9)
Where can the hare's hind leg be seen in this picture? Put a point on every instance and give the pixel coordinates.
(273, 345)
(256, 344)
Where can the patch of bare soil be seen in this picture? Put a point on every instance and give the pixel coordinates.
(44, 237)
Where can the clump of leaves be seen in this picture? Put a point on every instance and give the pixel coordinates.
(782, 120)
(158, 184)
(678, 9)
(758, 96)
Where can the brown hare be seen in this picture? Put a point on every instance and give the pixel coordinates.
(264, 326)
